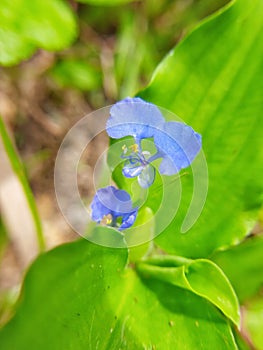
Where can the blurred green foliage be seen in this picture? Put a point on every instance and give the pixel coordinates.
(77, 74)
(27, 25)
(125, 47)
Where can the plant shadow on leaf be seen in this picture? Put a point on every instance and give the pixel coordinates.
(201, 277)
(181, 301)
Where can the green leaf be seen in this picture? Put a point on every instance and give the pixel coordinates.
(211, 80)
(253, 321)
(83, 296)
(27, 25)
(19, 171)
(243, 263)
(241, 343)
(55, 17)
(12, 48)
(200, 276)
(104, 236)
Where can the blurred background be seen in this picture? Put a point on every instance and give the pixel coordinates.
(60, 60)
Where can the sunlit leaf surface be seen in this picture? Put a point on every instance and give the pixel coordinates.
(83, 296)
(212, 81)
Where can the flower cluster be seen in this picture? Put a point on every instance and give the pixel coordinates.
(177, 145)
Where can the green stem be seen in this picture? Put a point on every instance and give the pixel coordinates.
(19, 171)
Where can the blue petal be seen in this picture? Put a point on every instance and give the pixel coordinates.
(133, 117)
(178, 145)
(121, 202)
(98, 210)
(167, 166)
(147, 176)
(110, 200)
(128, 220)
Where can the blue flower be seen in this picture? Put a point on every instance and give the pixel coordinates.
(133, 117)
(113, 207)
(176, 143)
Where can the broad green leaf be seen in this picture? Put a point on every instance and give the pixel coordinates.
(200, 276)
(211, 80)
(243, 263)
(253, 321)
(83, 296)
(28, 25)
(104, 236)
(19, 171)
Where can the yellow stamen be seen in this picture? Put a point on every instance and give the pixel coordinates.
(106, 220)
(134, 148)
